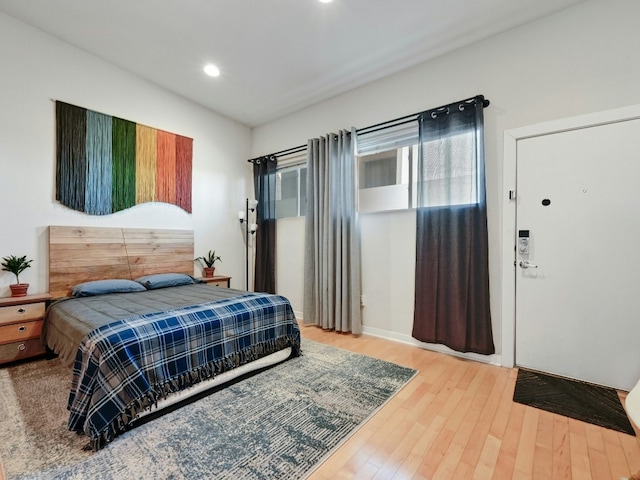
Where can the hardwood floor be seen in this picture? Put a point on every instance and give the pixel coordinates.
(456, 420)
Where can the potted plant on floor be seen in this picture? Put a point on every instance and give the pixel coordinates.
(208, 261)
(16, 265)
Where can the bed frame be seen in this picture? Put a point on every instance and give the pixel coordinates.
(82, 254)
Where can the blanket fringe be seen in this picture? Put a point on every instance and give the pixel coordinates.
(204, 372)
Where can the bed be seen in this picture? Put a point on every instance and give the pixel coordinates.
(134, 346)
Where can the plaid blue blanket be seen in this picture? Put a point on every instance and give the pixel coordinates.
(124, 367)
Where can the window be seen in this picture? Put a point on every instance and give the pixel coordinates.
(389, 168)
(291, 191)
(450, 171)
(387, 180)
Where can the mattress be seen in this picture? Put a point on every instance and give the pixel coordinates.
(132, 350)
(69, 320)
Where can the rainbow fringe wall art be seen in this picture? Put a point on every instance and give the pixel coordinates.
(106, 164)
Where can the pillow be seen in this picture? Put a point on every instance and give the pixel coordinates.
(161, 280)
(100, 287)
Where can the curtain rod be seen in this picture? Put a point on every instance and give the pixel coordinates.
(281, 153)
(377, 127)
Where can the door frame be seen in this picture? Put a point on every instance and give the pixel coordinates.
(509, 210)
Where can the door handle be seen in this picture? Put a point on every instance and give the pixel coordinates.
(526, 264)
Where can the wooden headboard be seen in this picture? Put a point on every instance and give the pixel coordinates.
(82, 254)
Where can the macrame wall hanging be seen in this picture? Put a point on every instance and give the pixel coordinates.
(106, 164)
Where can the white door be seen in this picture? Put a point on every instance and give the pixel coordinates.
(578, 300)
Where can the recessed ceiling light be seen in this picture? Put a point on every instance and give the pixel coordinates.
(212, 70)
(325, 1)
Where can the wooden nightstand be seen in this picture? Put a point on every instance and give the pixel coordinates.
(21, 320)
(217, 280)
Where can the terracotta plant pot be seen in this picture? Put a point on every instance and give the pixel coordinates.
(19, 289)
(208, 271)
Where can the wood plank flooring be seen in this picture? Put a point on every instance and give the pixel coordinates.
(456, 420)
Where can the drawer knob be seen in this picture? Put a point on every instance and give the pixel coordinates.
(21, 310)
(22, 346)
(22, 328)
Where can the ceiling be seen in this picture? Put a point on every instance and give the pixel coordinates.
(276, 56)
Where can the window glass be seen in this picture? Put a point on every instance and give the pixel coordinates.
(386, 180)
(302, 203)
(291, 186)
(378, 172)
(449, 171)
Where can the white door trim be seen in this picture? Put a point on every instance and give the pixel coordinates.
(511, 138)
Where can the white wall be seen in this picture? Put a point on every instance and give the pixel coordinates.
(36, 68)
(581, 60)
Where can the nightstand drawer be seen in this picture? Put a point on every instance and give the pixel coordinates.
(22, 313)
(19, 350)
(217, 281)
(20, 331)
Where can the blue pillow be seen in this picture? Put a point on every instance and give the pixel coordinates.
(100, 287)
(162, 280)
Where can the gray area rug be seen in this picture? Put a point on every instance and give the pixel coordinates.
(279, 423)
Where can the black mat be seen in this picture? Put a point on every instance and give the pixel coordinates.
(580, 400)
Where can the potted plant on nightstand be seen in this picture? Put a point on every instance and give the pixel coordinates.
(208, 261)
(16, 265)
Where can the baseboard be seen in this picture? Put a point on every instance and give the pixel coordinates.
(494, 359)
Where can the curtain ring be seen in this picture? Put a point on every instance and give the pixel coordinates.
(435, 113)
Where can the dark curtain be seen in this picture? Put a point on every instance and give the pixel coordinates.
(264, 177)
(452, 267)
